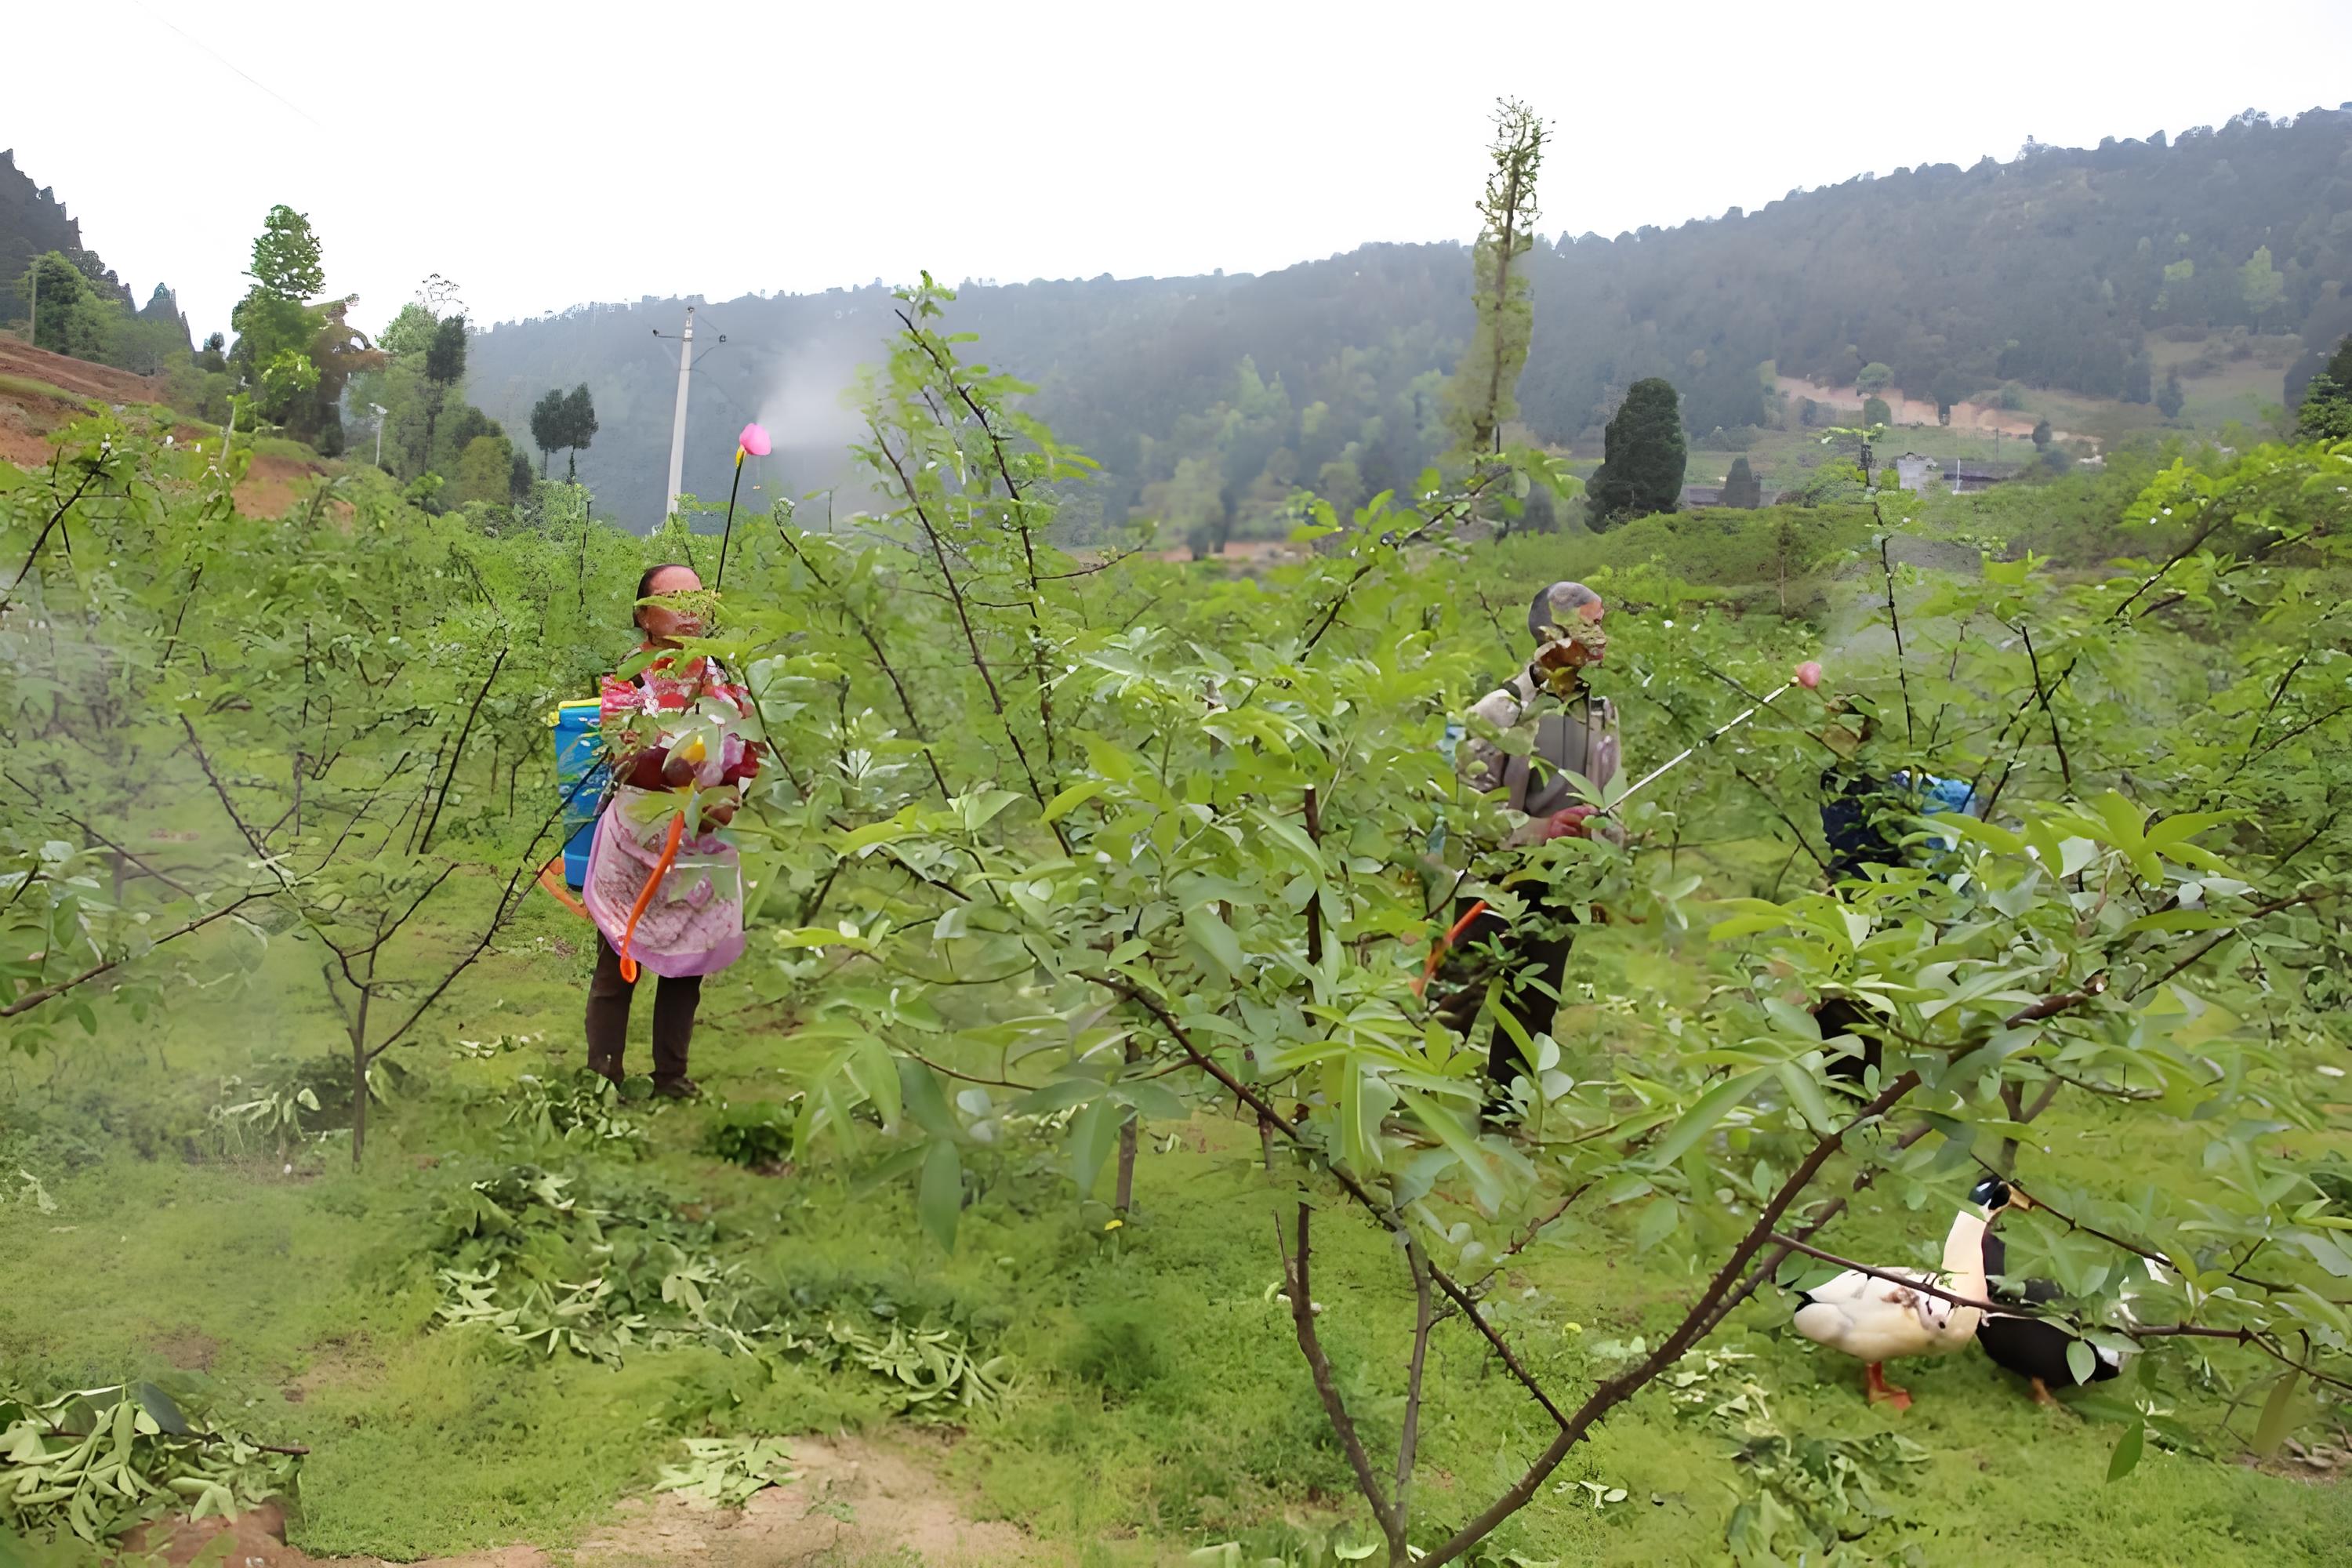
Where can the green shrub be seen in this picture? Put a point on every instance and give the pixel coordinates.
(756, 1133)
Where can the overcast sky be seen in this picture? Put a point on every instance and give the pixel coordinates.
(546, 155)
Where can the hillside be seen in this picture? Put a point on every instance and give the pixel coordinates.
(42, 394)
(2070, 271)
(34, 222)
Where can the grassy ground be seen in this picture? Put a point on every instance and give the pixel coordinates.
(1163, 1405)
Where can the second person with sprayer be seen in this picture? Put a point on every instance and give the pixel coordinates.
(665, 889)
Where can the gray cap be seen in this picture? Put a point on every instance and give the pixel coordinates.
(1557, 607)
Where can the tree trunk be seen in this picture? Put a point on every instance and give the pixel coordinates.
(1490, 417)
(1130, 1133)
(360, 1076)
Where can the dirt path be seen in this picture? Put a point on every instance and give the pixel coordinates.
(855, 1501)
(1983, 418)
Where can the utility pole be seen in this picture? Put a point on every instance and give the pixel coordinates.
(677, 424)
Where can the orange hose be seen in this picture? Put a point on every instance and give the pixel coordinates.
(1445, 946)
(561, 894)
(661, 869)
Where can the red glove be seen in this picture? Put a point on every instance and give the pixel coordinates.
(1573, 823)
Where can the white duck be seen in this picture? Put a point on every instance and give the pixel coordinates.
(1877, 1319)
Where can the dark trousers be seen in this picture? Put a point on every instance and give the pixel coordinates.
(608, 1017)
(1844, 1015)
(1532, 958)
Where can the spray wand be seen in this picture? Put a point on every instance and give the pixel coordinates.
(753, 442)
(1572, 821)
(1807, 675)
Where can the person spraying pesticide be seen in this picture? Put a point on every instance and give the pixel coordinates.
(1872, 816)
(1573, 754)
(664, 890)
(1572, 760)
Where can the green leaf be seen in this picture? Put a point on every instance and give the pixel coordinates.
(160, 1406)
(1293, 837)
(1093, 1133)
(2128, 1451)
(1154, 1101)
(822, 936)
(1458, 1139)
(1806, 1096)
(2278, 1416)
(874, 1069)
(980, 809)
(939, 1198)
(1744, 925)
(1070, 799)
(1058, 1095)
(2176, 830)
(899, 827)
(919, 1093)
(2080, 1362)
(1711, 1108)
(1215, 937)
(1658, 1222)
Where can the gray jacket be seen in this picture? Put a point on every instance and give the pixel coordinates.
(1571, 735)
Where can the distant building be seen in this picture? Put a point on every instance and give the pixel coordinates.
(1969, 479)
(1695, 496)
(1915, 472)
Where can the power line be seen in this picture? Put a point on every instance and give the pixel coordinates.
(208, 49)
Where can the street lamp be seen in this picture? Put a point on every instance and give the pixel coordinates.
(380, 412)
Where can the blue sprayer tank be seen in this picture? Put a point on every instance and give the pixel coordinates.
(580, 778)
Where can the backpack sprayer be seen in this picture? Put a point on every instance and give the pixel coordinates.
(581, 773)
(1573, 822)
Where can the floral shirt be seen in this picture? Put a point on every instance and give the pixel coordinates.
(634, 711)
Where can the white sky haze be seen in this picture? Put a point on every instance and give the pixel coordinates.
(546, 155)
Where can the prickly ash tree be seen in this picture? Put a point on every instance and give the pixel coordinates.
(1181, 844)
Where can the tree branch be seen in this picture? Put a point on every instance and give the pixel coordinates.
(1355, 1189)
(964, 619)
(1615, 1391)
(425, 841)
(1771, 1265)
(906, 703)
(2243, 1336)
(1409, 1443)
(1294, 1268)
(90, 477)
(32, 999)
(2066, 768)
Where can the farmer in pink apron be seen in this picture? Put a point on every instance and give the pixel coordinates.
(665, 891)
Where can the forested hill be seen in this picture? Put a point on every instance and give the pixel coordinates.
(34, 222)
(1196, 394)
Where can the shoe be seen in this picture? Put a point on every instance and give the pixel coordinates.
(677, 1089)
